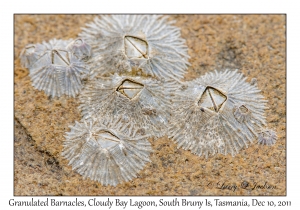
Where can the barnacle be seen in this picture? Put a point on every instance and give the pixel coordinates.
(241, 113)
(56, 67)
(105, 151)
(131, 43)
(141, 101)
(80, 49)
(31, 53)
(267, 137)
(218, 112)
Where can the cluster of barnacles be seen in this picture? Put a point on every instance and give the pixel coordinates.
(127, 72)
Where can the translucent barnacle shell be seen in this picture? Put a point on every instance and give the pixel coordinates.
(217, 113)
(130, 43)
(242, 113)
(80, 49)
(267, 137)
(138, 100)
(55, 69)
(31, 53)
(106, 151)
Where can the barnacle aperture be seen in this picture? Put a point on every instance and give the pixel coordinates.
(243, 109)
(29, 49)
(60, 57)
(106, 139)
(130, 88)
(212, 99)
(135, 47)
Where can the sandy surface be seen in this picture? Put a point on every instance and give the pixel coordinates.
(254, 44)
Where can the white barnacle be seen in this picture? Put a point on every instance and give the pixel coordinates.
(267, 137)
(80, 49)
(131, 43)
(217, 113)
(242, 113)
(110, 156)
(31, 53)
(143, 102)
(55, 67)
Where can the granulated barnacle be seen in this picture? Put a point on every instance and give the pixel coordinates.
(141, 101)
(106, 151)
(267, 137)
(57, 66)
(80, 49)
(241, 113)
(31, 53)
(218, 112)
(134, 43)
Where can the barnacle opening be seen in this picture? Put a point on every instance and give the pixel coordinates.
(60, 57)
(243, 109)
(241, 113)
(78, 42)
(212, 99)
(130, 88)
(135, 47)
(29, 49)
(266, 134)
(106, 139)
